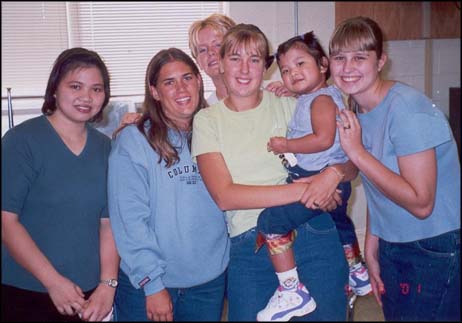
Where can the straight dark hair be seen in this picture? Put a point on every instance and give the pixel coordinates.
(68, 61)
(310, 44)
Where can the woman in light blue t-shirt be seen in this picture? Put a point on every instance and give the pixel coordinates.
(410, 168)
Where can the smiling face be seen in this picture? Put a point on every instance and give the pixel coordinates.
(300, 71)
(355, 72)
(208, 51)
(80, 94)
(243, 69)
(177, 88)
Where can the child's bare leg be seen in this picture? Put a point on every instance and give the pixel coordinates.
(282, 258)
(283, 261)
(291, 298)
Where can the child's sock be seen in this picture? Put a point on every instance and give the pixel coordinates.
(288, 279)
(352, 254)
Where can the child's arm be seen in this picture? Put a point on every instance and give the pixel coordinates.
(323, 121)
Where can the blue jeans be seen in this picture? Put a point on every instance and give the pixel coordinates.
(199, 303)
(284, 218)
(321, 265)
(421, 278)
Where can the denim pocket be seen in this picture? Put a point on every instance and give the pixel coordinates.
(445, 245)
(244, 237)
(321, 224)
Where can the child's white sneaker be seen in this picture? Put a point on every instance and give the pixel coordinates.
(359, 280)
(286, 303)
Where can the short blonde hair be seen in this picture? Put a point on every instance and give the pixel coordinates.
(218, 22)
(357, 33)
(246, 35)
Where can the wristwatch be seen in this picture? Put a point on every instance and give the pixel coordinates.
(110, 282)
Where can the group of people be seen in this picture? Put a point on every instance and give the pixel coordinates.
(195, 188)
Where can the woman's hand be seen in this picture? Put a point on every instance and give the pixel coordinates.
(373, 267)
(159, 307)
(99, 304)
(322, 193)
(278, 88)
(127, 119)
(350, 134)
(67, 297)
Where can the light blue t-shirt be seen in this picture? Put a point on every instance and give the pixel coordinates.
(406, 122)
(300, 125)
(168, 230)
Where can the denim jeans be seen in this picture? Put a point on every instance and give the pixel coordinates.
(284, 218)
(421, 278)
(199, 303)
(321, 266)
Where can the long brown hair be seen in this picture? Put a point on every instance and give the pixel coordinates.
(157, 132)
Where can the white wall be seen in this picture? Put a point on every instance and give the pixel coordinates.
(407, 63)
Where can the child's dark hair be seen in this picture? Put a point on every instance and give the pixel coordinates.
(67, 61)
(309, 43)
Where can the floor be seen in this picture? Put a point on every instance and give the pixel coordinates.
(365, 309)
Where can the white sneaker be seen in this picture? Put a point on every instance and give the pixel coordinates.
(285, 304)
(359, 280)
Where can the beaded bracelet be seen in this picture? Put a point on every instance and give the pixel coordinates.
(335, 170)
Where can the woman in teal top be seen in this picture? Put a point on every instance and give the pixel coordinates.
(410, 168)
(58, 254)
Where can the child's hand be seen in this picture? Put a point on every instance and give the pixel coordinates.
(278, 88)
(278, 145)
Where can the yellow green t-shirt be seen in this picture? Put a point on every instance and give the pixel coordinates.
(242, 137)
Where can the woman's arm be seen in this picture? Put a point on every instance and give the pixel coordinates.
(371, 251)
(231, 196)
(66, 295)
(322, 191)
(100, 301)
(131, 209)
(413, 189)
